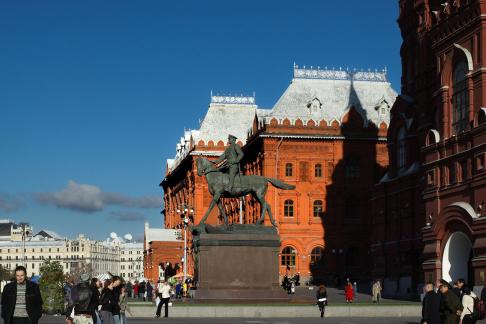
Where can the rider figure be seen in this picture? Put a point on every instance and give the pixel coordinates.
(232, 157)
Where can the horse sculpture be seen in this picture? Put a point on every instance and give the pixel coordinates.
(244, 184)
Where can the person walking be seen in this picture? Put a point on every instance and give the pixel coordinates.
(376, 291)
(83, 302)
(107, 301)
(129, 289)
(95, 288)
(116, 298)
(123, 305)
(135, 290)
(178, 290)
(165, 293)
(451, 306)
(431, 305)
(468, 311)
(349, 292)
(141, 290)
(321, 296)
(21, 300)
(150, 290)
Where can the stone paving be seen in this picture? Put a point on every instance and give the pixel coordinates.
(60, 320)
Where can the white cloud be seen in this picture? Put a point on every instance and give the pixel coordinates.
(90, 198)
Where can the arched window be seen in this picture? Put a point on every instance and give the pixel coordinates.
(318, 170)
(288, 257)
(351, 167)
(401, 151)
(289, 208)
(288, 169)
(317, 255)
(460, 99)
(317, 208)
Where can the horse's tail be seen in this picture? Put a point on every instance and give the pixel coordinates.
(280, 184)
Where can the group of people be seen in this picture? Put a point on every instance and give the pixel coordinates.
(290, 282)
(92, 301)
(446, 304)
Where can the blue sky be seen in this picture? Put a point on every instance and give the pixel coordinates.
(95, 94)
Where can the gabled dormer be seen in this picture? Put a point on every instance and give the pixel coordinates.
(314, 106)
(383, 108)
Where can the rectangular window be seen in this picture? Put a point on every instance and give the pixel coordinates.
(431, 178)
(452, 174)
(463, 170)
(480, 162)
(288, 169)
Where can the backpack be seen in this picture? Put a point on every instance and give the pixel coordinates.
(81, 296)
(479, 308)
(475, 310)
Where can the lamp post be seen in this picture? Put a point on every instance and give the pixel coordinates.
(26, 231)
(185, 211)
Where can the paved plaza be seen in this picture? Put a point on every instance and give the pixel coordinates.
(60, 320)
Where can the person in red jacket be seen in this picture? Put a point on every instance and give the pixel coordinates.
(349, 292)
(135, 289)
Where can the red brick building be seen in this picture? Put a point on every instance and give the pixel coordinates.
(163, 249)
(427, 210)
(327, 135)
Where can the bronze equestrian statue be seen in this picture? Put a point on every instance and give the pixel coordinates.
(222, 186)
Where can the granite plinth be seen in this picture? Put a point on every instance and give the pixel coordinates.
(238, 266)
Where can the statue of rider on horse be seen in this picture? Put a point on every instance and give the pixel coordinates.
(229, 161)
(224, 185)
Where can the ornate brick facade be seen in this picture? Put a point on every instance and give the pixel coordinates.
(326, 135)
(427, 209)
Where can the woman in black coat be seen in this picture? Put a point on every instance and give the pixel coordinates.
(107, 302)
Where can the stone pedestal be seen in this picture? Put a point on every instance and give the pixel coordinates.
(238, 266)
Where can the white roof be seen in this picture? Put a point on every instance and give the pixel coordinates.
(334, 92)
(313, 94)
(163, 235)
(50, 234)
(224, 119)
(32, 243)
(132, 245)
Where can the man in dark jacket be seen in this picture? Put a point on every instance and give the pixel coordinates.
(431, 306)
(84, 302)
(21, 300)
(116, 297)
(451, 305)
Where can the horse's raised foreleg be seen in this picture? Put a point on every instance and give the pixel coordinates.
(221, 210)
(211, 206)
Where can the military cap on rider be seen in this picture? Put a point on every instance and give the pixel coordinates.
(232, 137)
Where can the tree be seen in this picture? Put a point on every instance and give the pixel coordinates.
(51, 286)
(76, 271)
(6, 274)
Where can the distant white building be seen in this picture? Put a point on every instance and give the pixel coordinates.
(131, 260)
(114, 256)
